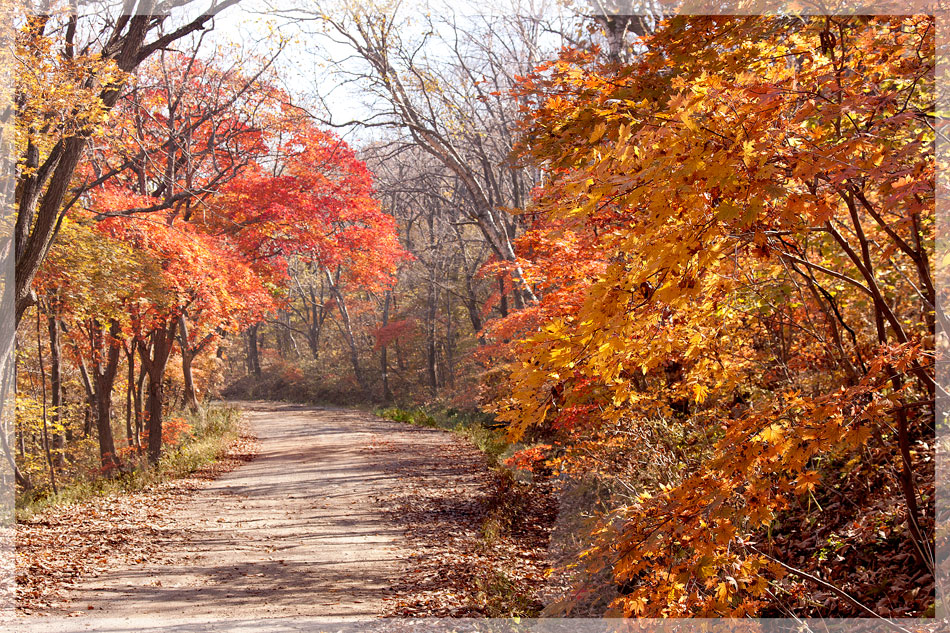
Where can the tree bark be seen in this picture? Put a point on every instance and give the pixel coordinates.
(129, 398)
(46, 439)
(104, 374)
(348, 332)
(431, 372)
(253, 353)
(449, 342)
(187, 356)
(87, 386)
(383, 352)
(56, 388)
(154, 355)
(139, 397)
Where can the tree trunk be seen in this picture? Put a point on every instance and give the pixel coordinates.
(400, 357)
(22, 479)
(107, 452)
(129, 388)
(383, 352)
(139, 400)
(87, 387)
(253, 354)
(317, 316)
(155, 402)
(285, 339)
(430, 337)
(103, 381)
(471, 306)
(471, 298)
(449, 342)
(154, 356)
(46, 434)
(187, 356)
(190, 396)
(56, 396)
(348, 333)
(313, 342)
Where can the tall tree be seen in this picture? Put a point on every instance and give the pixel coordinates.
(451, 105)
(777, 293)
(89, 75)
(320, 211)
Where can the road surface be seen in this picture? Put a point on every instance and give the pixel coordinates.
(297, 534)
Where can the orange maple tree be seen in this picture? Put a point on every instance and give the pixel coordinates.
(177, 185)
(753, 199)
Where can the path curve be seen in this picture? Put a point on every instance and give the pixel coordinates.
(297, 533)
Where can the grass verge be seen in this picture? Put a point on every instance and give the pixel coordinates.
(212, 432)
(475, 426)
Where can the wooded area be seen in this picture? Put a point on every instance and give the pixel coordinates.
(682, 266)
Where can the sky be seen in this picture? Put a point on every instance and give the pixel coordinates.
(306, 64)
(309, 61)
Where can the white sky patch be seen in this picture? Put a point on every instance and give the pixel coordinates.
(310, 65)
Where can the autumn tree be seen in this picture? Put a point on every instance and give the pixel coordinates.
(223, 298)
(450, 101)
(186, 128)
(320, 210)
(761, 233)
(71, 69)
(88, 288)
(71, 77)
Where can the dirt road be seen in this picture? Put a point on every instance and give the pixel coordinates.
(296, 534)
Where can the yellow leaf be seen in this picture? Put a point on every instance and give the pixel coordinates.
(806, 481)
(771, 434)
(699, 393)
(598, 132)
(722, 592)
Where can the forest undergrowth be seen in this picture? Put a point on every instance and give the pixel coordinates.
(496, 562)
(205, 436)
